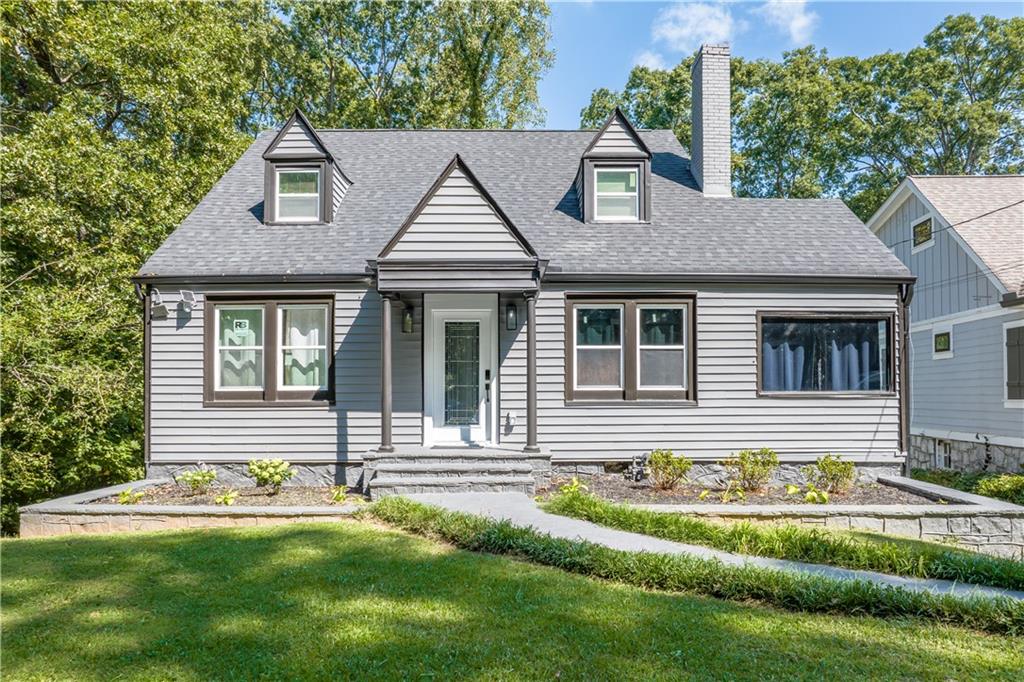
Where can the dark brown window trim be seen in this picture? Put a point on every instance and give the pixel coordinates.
(326, 201)
(829, 314)
(269, 396)
(631, 393)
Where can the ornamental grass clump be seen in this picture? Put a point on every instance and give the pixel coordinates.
(800, 543)
(830, 473)
(752, 469)
(270, 472)
(796, 591)
(667, 469)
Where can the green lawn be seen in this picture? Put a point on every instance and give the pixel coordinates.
(354, 600)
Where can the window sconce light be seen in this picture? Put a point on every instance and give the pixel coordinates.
(407, 319)
(157, 309)
(511, 317)
(188, 300)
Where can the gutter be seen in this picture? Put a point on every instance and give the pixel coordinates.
(1011, 299)
(724, 278)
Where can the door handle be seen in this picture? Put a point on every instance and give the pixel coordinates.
(487, 385)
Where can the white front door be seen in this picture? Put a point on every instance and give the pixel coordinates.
(460, 371)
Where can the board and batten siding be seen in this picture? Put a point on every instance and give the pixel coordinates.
(729, 415)
(183, 430)
(964, 393)
(948, 280)
(457, 221)
(616, 140)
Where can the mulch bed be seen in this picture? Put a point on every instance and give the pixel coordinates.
(615, 488)
(290, 496)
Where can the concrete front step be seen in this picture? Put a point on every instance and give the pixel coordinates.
(450, 469)
(385, 486)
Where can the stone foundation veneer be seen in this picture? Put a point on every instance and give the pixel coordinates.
(233, 473)
(966, 456)
(713, 474)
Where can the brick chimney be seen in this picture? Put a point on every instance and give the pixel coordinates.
(711, 147)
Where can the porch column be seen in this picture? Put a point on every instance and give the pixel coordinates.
(531, 373)
(385, 375)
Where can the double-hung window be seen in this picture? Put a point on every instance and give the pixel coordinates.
(616, 193)
(298, 195)
(629, 349)
(846, 353)
(267, 351)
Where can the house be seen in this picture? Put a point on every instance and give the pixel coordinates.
(963, 236)
(453, 309)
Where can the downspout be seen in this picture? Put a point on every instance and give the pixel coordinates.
(906, 294)
(147, 354)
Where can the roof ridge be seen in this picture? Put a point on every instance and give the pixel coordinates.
(968, 175)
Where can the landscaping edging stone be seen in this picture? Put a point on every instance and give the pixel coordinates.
(73, 515)
(973, 522)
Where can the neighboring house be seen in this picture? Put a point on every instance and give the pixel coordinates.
(963, 236)
(561, 299)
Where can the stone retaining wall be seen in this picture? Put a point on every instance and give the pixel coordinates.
(992, 532)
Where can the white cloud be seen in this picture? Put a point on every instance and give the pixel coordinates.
(650, 59)
(684, 27)
(792, 17)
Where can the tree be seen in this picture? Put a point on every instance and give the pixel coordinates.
(116, 121)
(411, 64)
(813, 126)
(493, 56)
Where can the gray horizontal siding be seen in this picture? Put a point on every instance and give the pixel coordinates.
(457, 222)
(297, 140)
(338, 189)
(730, 416)
(182, 429)
(948, 279)
(616, 140)
(964, 393)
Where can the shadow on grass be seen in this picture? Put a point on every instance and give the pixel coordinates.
(352, 600)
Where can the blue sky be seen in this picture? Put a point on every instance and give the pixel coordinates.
(597, 43)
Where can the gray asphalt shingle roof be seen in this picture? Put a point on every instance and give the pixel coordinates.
(530, 175)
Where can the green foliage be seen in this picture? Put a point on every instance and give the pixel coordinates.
(226, 498)
(339, 494)
(815, 496)
(574, 486)
(682, 573)
(857, 551)
(439, 64)
(1006, 487)
(1009, 487)
(198, 480)
(129, 496)
(752, 469)
(732, 491)
(270, 472)
(814, 125)
(830, 473)
(667, 469)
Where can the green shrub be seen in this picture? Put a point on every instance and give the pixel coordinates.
(752, 469)
(197, 480)
(667, 470)
(1008, 487)
(129, 496)
(682, 573)
(830, 473)
(227, 498)
(272, 472)
(800, 543)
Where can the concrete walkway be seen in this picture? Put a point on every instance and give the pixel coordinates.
(523, 511)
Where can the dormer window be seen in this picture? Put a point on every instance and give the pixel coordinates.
(613, 183)
(298, 195)
(616, 193)
(302, 183)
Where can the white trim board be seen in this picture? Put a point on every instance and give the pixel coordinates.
(963, 317)
(1008, 441)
